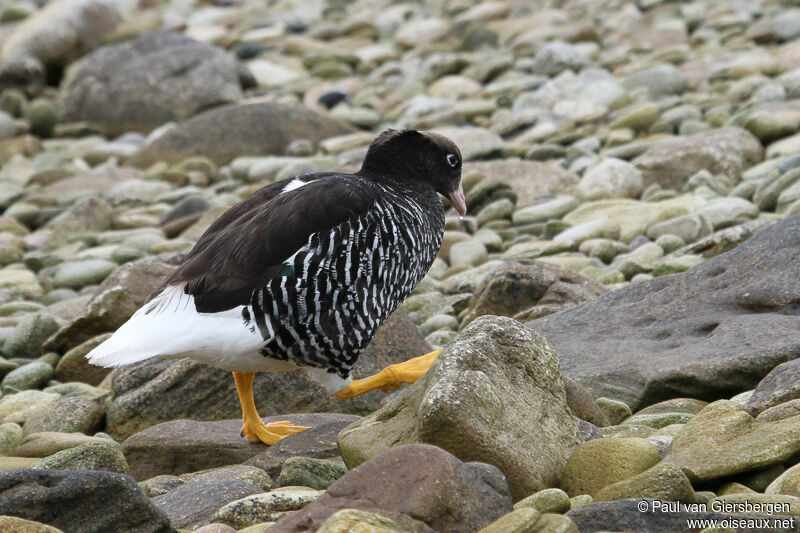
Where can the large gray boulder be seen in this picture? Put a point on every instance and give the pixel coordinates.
(707, 333)
(155, 391)
(495, 395)
(226, 132)
(52, 38)
(80, 501)
(155, 78)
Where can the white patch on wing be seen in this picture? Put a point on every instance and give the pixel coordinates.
(290, 260)
(169, 326)
(294, 184)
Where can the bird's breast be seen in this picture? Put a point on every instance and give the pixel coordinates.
(345, 283)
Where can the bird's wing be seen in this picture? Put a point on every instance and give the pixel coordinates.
(247, 245)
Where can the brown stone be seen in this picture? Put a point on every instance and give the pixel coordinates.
(73, 366)
(182, 446)
(196, 502)
(66, 415)
(521, 287)
(422, 488)
(672, 162)
(779, 386)
(582, 404)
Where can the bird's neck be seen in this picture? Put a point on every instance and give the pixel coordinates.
(401, 179)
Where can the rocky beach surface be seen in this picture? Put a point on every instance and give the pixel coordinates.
(619, 310)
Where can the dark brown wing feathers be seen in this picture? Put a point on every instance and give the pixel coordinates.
(247, 245)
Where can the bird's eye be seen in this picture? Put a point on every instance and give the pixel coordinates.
(452, 160)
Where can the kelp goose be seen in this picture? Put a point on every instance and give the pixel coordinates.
(302, 273)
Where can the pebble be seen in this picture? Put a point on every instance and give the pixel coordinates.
(611, 178)
(471, 253)
(12, 523)
(786, 483)
(266, 507)
(10, 437)
(601, 462)
(421, 32)
(663, 480)
(550, 209)
(604, 249)
(766, 196)
(689, 228)
(21, 282)
(46, 443)
(450, 239)
(29, 334)
(675, 265)
(556, 56)
(16, 407)
(659, 80)
(354, 520)
(440, 322)
(546, 501)
(309, 472)
(589, 230)
(77, 274)
(490, 239)
(33, 375)
(669, 242)
(523, 519)
(632, 152)
(70, 414)
(614, 410)
(638, 117)
(94, 456)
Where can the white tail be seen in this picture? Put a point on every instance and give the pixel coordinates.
(169, 326)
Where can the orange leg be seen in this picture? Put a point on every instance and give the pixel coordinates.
(392, 376)
(254, 429)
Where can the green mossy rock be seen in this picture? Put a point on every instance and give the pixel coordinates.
(602, 462)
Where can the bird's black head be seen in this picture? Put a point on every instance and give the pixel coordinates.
(410, 155)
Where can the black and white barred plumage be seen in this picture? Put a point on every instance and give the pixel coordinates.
(304, 271)
(342, 284)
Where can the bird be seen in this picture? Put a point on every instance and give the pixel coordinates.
(302, 273)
